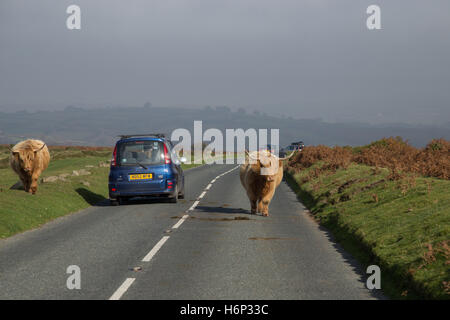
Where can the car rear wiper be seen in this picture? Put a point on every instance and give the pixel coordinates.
(141, 165)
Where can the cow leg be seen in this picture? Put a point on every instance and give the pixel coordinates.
(253, 201)
(260, 205)
(34, 185)
(253, 206)
(266, 201)
(265, 207)
(26, 183)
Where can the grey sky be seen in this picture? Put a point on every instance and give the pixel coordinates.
(305, 58)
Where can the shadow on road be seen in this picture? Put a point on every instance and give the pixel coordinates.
(92, 198)
(145, 200)
(355, 265)
(222, 209)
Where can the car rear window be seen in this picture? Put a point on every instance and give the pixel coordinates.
(133, 153)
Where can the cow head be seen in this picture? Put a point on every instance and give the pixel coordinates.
(26, 157)
(266, 164)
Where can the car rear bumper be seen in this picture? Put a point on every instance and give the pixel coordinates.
(115, 192)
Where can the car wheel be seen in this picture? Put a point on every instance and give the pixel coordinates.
(114, 202)
(174, 199)
(181, 194)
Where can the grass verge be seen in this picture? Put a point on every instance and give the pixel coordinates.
(402, 225)
(21, 211)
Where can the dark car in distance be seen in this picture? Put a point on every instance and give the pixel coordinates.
(294, 146)
(145, 165)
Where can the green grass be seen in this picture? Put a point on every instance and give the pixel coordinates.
(388, 223)
(58, 153)
(21, 211)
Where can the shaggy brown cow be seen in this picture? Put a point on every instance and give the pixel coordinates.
(260, 175)
(28, 159)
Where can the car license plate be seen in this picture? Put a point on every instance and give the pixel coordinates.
(141, 176)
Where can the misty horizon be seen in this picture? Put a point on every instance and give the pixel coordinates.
(312, 59)
(101, 126)
(249, 111)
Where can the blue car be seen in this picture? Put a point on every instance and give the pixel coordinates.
(145, 166)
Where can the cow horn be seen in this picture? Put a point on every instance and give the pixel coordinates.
(250, 156)
(40, 148)
(10, 149)
(285, 158)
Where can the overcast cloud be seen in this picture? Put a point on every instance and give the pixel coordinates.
(312, 58)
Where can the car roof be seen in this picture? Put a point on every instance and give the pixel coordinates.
(130, 139)
(146, 136)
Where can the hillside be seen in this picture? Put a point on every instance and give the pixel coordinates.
(76, 178)
(99, 127)
(386, 209)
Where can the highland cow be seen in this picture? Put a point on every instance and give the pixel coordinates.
(260, 175)
(29, 159)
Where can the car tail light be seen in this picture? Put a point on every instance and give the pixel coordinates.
(166, 155)
(114, 157)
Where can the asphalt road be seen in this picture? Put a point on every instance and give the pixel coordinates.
(216, 250)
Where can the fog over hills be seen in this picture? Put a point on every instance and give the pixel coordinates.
(100, 126)
(305, 59)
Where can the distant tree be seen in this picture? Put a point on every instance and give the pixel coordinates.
(241, 111)
(72, 108)
(147, 105)
(223, 108)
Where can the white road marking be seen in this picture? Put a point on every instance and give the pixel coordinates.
(129, 281)
(155, 249)
(193, 206)
(122, 289)
(180, 221)
(208, 187)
